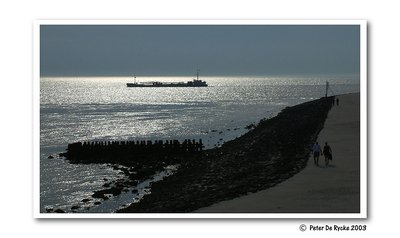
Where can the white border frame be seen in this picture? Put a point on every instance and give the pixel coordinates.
(363, 119)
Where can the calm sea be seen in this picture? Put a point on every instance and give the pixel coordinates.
(103, 108)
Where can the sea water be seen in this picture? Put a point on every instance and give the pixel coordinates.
(103, 108)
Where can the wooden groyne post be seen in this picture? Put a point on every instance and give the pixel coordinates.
(112, 151)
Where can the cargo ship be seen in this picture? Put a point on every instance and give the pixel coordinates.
(194, 83)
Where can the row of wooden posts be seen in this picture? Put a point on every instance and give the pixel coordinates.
(168, 147)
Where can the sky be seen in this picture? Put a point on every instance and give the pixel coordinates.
(174, 50)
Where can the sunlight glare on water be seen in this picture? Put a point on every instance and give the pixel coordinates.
(104, 108)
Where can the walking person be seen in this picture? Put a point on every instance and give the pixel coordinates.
(316, 152)
(327, 153)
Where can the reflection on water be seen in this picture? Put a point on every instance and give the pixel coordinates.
(133, 194)
(63, 185)
(77, 109)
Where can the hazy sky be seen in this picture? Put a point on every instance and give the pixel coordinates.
(84, 50)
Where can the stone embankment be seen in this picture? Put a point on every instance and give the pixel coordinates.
(273, 151)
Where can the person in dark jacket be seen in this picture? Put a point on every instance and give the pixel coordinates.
(316, 149)
(327, 151)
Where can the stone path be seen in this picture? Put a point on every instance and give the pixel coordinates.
(332, 189)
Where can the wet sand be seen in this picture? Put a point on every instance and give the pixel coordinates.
(332, 189)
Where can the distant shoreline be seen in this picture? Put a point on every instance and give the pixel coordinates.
(353, 76)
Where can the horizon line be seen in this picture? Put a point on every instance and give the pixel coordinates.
(193, 75)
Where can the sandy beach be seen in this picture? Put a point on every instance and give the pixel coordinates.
(332, 189)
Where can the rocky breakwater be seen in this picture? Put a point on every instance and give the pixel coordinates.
(137, 160)
(272, 151)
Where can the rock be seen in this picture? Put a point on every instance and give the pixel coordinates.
(115, 191)
(132, 170)
(251, 126)
(50, 157)
(62, 154)
(97, 203)
(59, 211)
(75, 207)
(85, 200)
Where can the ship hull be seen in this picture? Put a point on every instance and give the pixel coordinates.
(136, 85)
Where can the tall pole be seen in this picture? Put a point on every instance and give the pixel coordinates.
(326, 90)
